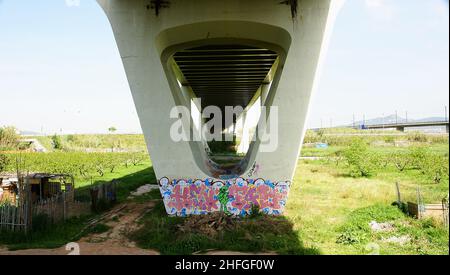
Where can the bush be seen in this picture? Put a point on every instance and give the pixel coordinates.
(361, 161)
(80, 165)
(255, 212)
(356, 229)
(417, 137)
(389, 139)
(4, 161)
(311, 137)
(437, 168)
(401, 160)
(349, 237)
(9, 138)
(419, 157)
(57, 143)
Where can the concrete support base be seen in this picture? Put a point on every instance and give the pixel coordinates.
(190, 182)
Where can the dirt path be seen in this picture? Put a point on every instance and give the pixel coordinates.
(121, 220)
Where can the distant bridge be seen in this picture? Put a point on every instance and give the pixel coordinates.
(398, 126)
(402, 126)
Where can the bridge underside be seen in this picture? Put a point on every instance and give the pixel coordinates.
(225, 75)
(248, 53)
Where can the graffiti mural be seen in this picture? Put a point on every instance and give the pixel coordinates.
(233, 197)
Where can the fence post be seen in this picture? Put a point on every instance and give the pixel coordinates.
(445, 210)
(420, 203)
(399, 198)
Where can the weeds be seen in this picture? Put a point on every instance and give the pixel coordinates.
(173, 235)
(423, 236)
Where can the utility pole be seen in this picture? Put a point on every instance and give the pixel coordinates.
(446, 116)
(406, 117)
(354, 122)
(396, 117)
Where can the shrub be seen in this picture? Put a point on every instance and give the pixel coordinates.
(71, 138)
(349, 237)
(137, 158)
(57, 143)
(419, 157)
(255, 211)
(389, 139)
(361, 161)
(4, 161)
(401, 160)
(80, 165)
(9, 138)
(311, 137)
(356, 229)
(417, 137)
(443, 139)
(437, 168)
(383, 160)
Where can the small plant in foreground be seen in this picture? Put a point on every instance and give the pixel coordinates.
(255, 211)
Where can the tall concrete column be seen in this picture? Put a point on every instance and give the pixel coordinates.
(150, 36)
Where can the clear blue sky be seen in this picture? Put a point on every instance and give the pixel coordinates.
(60, 67)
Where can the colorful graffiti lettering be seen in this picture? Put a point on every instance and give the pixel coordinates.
(233, 197)
(223, 198)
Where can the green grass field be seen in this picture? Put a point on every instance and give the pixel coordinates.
(97, 142)
(328, 212)
(323, 203)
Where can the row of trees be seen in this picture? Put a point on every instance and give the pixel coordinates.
(344, 137)
(81, 165)
(9, 138)
(364, 162)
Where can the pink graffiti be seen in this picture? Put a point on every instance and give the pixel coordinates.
(263, 196)
(238, 197)
(193, 197)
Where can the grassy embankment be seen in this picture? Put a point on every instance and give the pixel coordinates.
(328, 213)
(97, 142)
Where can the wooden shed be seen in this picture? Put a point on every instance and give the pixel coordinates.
(45, 186)
(8, 188)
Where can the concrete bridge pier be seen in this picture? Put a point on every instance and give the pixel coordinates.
(223, 52)
(400, 129)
